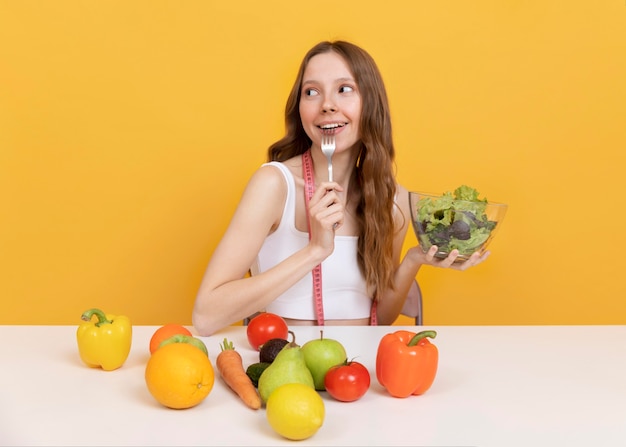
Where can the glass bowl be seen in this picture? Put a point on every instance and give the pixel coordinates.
(449, 223)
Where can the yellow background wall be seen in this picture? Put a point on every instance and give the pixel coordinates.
(128, 130)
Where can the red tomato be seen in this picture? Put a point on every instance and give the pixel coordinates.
(347, 381)
(264, 327)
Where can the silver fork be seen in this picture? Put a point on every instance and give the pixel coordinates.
(328, 148)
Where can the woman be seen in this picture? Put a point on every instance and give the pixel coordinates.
(354, 226)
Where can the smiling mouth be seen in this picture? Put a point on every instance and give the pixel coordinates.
(329, 128)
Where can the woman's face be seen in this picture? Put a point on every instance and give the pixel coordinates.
(330, 99)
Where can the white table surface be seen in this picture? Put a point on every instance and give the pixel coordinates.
(496, 386)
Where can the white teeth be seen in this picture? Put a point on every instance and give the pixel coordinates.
(331, 126)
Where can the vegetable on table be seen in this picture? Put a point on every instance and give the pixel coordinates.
(264, 327)
(230, 366)
(255, 370)
(347, 381)
(104, 343)
(406, 362)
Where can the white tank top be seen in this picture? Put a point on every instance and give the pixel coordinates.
(344, 290)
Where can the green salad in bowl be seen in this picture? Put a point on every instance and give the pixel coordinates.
(458, 220)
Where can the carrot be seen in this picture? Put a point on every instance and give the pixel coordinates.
(230, 366)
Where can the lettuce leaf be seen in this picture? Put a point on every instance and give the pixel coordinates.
(454, 221)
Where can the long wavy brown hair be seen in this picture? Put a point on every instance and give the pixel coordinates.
(373, 182)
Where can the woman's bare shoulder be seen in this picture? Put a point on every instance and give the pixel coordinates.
(294, 164)
(267, 177)
(402, 196)
(263, 199)
(268, 172)
(402, 202)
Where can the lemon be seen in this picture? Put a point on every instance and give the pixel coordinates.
(295, 411)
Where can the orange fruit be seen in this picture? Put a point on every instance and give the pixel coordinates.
(179, 375)
(165, 332)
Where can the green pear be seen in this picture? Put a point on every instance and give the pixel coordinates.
(288, 367)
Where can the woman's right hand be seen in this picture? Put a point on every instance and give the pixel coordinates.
(326, 214)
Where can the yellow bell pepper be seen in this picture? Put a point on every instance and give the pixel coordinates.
(106, 342)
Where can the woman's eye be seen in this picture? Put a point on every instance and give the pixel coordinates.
(345, 89)
(310, 92)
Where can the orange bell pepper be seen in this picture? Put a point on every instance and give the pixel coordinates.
(406, 362)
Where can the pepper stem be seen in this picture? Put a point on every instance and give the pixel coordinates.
(102, 318)
(417, 337)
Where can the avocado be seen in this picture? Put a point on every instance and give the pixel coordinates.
(270, 349)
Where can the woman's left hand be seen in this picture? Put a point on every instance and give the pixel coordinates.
(417, 255)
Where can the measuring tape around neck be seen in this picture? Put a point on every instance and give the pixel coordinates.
(309, 189)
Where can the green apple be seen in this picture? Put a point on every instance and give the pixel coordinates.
(182, 338)
(320, 355)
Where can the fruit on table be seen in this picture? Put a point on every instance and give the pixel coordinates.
(106, 342)
(270, 349)
(230, 366)
(165, 332)
(348, 381)
(264, 327)
(288, 367)
(179, 375)
(320, 355)
(406, 362)
(295, 411)
(181, 338)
